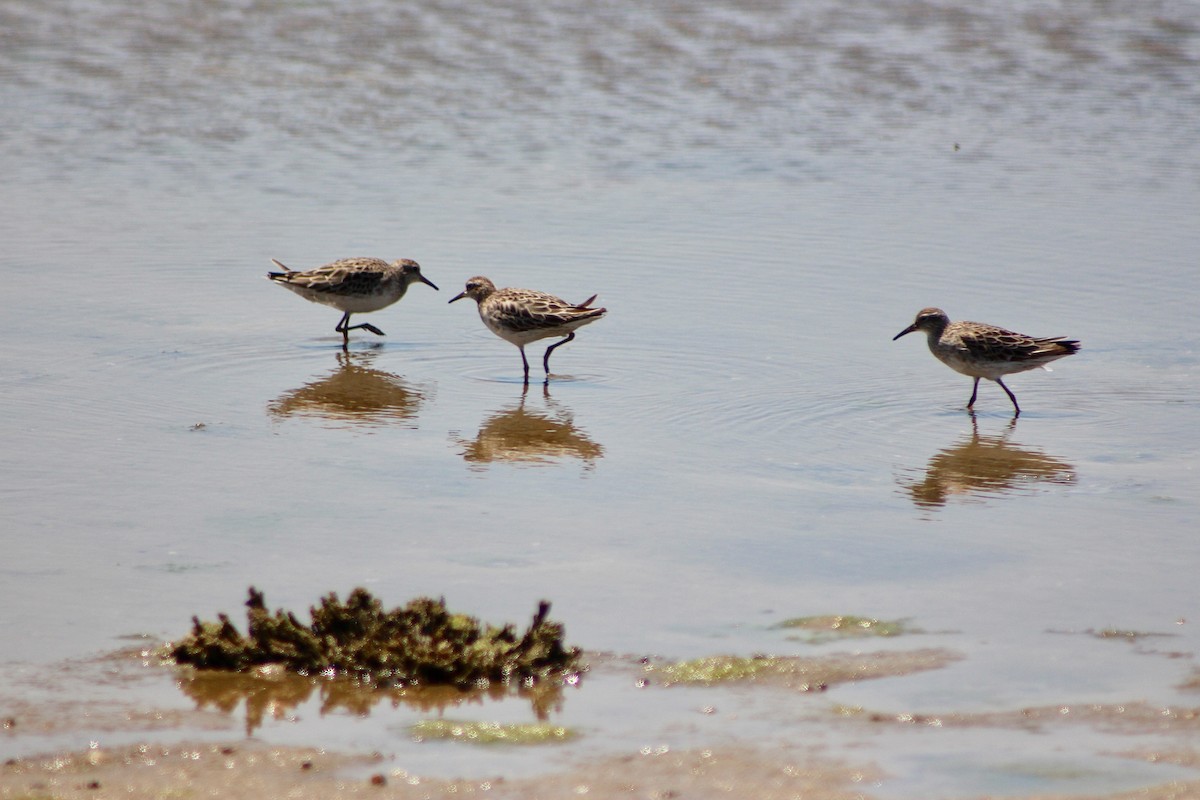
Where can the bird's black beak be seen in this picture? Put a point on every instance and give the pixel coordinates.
(428, 282)
(458, 296)
(907, 330)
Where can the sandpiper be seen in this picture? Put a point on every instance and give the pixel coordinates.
(521, 316)
(986, 351)
(353, 286)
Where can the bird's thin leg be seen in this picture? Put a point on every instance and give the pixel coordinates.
(550, 349)
(344, 327)
(1012, 397)
(974, 391)
(525, 363)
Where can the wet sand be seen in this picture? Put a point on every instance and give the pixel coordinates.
(161, 756)
(252, 770)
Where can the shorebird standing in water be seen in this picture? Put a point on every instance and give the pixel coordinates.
(986, 351)
(353, 286)
(521, 316)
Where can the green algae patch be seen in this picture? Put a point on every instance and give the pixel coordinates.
(723, 668)
(1121, 635)
(1136, 718)
(834, 627)
(490, 732)
(801, 674)
(419, 644)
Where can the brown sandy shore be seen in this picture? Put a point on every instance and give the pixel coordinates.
(256, 772)
(161, 765)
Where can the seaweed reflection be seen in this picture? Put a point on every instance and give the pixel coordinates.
(983, 465)
(355, 392)
(525, 436)
(277, 694)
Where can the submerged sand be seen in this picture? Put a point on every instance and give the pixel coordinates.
(173, 760)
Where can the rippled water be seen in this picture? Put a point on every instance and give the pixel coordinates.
(762, 194)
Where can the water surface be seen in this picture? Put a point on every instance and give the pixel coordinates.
(763, 195)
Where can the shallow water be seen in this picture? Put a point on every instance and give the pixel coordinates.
(762, 195)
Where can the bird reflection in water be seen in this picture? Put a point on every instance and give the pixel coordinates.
(521, 435)
(277, 694)
(354, 393)
(982, 466)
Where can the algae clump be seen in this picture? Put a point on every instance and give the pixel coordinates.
(490, 732)
(421, 643)
(802, 674)
(831, 627)
(713, 669)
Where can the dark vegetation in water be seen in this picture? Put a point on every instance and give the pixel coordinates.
(421, 643)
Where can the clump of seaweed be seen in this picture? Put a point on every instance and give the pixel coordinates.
(421, 643)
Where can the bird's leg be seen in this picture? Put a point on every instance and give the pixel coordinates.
(344, 327)
(525, 363)
(550, 349)
(1011, 396)
(974, 391)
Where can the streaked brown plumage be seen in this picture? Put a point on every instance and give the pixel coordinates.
(521, 316)
(353, 286)
(979, 350)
